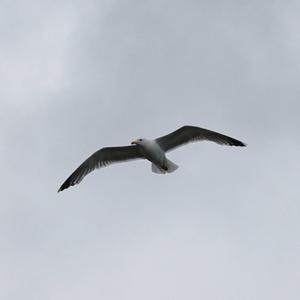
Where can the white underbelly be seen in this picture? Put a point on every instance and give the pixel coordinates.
(154, 153)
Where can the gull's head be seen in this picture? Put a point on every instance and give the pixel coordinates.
(137, 142)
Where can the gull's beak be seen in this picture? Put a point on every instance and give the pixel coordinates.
(135, 142)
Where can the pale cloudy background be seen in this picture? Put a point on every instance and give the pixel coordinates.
(79, 75)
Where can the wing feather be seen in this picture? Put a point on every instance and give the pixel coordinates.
(102, 158)
(187, 134)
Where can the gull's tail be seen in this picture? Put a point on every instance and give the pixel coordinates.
(169, 167)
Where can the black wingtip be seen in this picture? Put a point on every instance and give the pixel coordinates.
(63, 187)
(234, 142)
(68, 183)
(60, 189)
(240, 144)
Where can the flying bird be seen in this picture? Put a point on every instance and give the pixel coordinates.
(152, 150)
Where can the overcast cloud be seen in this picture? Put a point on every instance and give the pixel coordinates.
(80, 75)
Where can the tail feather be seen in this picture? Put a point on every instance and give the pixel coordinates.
(168, 168)
(157, 169)
(171, 166)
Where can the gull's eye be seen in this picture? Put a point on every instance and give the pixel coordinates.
(140, 140)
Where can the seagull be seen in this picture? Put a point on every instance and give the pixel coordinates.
(152, 150)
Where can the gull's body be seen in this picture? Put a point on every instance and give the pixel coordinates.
(152, 150)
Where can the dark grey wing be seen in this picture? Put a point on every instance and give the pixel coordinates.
(102, 158)
(187, 134)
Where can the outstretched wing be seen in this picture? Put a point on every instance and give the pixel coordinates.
(102, 158)
(187, 134)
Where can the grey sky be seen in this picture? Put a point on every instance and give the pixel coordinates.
(79, 75)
